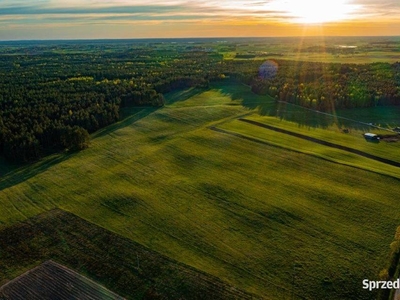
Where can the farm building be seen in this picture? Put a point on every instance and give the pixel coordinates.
(371, 136)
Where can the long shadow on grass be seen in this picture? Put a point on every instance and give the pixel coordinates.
(312, 118)
(21, 173)
(182, 95)
(268, 106)
(238, 91)
(15, 174)
(132, 115)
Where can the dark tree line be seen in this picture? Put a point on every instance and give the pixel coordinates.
(326, 87)
(50, 102)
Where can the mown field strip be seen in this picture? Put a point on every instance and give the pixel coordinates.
(322, 142)
(333, 133)
(273, 138)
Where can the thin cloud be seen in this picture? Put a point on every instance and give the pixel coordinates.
(174, 10)
(383, 8)
(89, 12)
(37, 10)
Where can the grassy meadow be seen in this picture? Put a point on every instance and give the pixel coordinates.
(278, 223)
(121, 265)
(361, 58)
(315, 49)
(383, 116)
(334, 135)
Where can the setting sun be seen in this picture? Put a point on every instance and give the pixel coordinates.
(316, 11)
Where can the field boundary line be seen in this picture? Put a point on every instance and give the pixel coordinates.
(325, 143)
(262, 142)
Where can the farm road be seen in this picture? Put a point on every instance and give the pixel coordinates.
(308, 138)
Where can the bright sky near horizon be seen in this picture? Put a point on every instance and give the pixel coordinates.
(70, 19)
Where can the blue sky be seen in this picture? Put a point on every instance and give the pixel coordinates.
(51, 19)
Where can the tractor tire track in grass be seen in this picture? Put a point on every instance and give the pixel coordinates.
(322, 142)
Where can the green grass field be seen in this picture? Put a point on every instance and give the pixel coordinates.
(278, 223)
(360, 58)
(121, 265)
(384, 116)
(296, 55)
(380, 119)
(353, 140)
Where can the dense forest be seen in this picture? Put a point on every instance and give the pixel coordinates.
(52, 97)
(50, 102)
(326, 87)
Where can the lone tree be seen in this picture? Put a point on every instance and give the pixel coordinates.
(75, 138)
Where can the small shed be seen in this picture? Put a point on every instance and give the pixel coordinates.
(371, 136)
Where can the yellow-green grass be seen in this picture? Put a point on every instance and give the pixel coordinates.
(285, 141)
(360, 58)
(353, 139)
(273, 222)
(212, 97)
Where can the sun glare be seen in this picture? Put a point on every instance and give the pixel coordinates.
(317, 11)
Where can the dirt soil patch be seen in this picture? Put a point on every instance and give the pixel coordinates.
(390, 138)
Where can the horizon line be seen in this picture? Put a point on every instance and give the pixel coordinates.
(198, 38)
